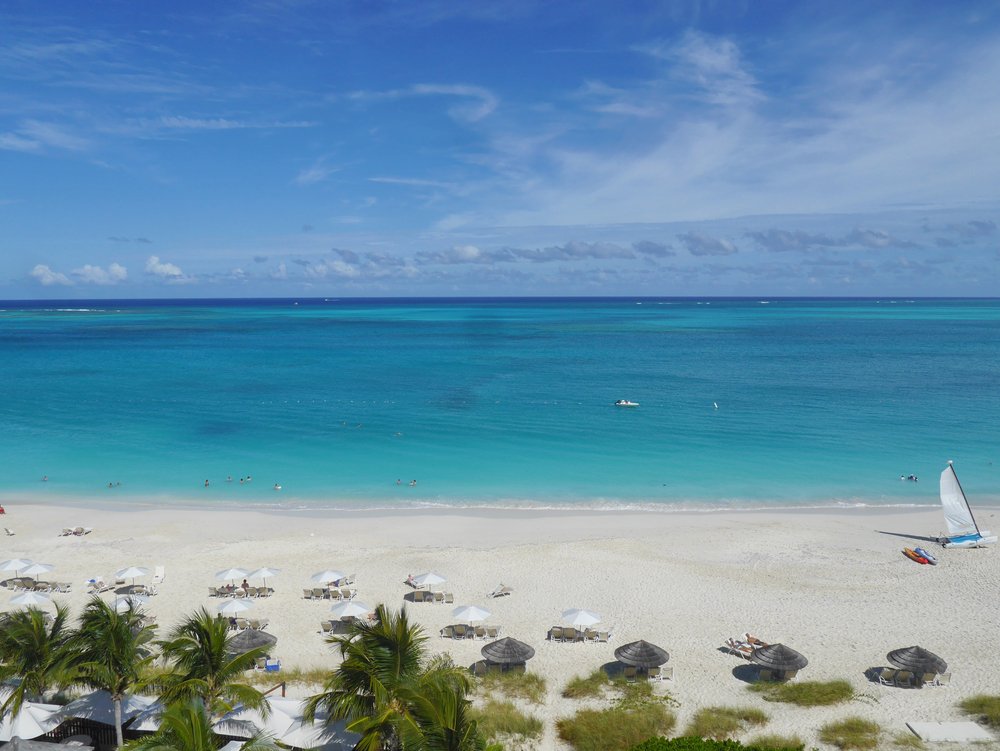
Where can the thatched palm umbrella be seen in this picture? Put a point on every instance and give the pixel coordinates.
(251, 638)
(917, 660)
(779, 657)
(641, 654)
(507, 651)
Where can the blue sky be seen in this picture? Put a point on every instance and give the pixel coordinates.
(498, 148)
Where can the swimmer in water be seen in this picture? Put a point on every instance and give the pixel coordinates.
(111, 484)
(277, 486)
(206, 483)
(45, 479)
(229, 479)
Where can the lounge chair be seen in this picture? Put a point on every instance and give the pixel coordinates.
(479, 668)
(418, 596)
(603, 637)
(590, 636)
(667, 674)
(78, 531)
(492, 631)
(447, 632)
(307, 594)
(65, 588)
(654, 674)
(924, 679)
(351, 579)
(10, 532)
(449, 598)
(480, 633)
(159, 575)
(263, 592)
(261, 663)
(439, 597)
(326, 627)
(905, 677)
(887, 676)
(242, 624)
(556, 634)
(459, 632)
(569, 634)
(119, 580)
(254, 624)
(764, 675)
(789, 675)
(263, 624)
(317, 593)
(630, 673)
(942, 680)
(66, 532)
(251, 591)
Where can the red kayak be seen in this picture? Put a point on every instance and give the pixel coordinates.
(913, 555)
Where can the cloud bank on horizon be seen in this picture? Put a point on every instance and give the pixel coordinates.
(500, 148)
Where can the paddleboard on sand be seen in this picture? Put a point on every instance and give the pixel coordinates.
(913, 555)
(924, 554)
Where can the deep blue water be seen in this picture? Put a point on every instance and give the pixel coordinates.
(508, 401)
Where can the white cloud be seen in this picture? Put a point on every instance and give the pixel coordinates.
(314, 174)
(323, 269)
(47, 277)
(166, 271)
(700, 244)
(10, 142)
(486, 103)
(221, 123)
(53, 135)
(280, 273)
(97, 275)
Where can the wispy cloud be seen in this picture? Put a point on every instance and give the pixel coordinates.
(96, 275)
(700, 244)
(484, 104)
(314, 174)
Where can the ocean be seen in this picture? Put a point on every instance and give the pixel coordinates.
(744, 403)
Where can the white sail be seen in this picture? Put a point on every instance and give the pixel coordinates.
(957, 513)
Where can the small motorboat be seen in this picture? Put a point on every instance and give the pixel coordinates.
(626, 403)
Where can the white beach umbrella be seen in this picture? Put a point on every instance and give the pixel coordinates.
(132, 572)
(123, 603)
(349, 609)
(470, 613)
(330, 575)
(15, 564)
(579, 617)
(320, 736)
(36, 568)
(32, 721)
(263, 573)
(29, 598)
(429, 579)
(235, 606)
(232, 573)
(99, 707)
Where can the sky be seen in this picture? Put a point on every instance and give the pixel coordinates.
(434, 148)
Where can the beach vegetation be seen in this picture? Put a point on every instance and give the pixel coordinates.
(187, 726)
(501, 721)
(986, 707)
(851, 733)
(615, 728)
(289, 676)
(203, 665)
(527, 686)
(692, 743)
(773, 740)
(34, 657)
(720, 723)
(905, 739)
(587, 687)
(111, 652)
(805, 693)
(390, 693)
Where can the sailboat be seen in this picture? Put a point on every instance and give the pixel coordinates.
(963, 532)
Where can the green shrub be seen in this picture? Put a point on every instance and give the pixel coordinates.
(586, 688)
(704, 744)
(615, 729)
(987, 707)
(777, 741)
(721, 722)
(806, 693)
(499, 719)
(515, 685)
(854, 732)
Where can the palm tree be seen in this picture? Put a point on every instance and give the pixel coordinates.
(186, 726)
(381, 675)
(205, 667)
(33, 653)
(112, 652)
(440, 720)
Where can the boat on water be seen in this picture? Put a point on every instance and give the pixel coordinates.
(626, 403)
(963, 532)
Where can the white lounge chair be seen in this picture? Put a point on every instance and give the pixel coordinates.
(10, 532)
(66, 531)
(159, 575)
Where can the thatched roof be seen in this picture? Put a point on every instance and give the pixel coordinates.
(779, 657)
(507, 650)
(641, 654)
(917, 660)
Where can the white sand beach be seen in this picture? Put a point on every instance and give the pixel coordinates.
(833, 584)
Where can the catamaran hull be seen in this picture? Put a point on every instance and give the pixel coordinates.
(970, 541)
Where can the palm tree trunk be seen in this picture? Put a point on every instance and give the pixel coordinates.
(118, 721)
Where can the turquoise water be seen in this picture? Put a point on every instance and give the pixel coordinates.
(502, 402)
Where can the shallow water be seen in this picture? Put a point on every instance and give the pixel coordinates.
(504, 402)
